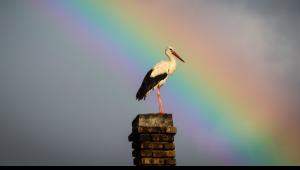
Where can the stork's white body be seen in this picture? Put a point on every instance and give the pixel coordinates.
(162, 67)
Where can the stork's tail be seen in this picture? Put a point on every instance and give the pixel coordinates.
(141, 94)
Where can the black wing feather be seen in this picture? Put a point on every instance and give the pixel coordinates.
(148, 84)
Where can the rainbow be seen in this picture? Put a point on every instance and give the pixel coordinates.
(237, 120)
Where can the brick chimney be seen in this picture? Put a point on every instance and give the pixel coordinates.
(152, 140)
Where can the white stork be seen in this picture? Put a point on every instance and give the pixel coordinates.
(157, 77)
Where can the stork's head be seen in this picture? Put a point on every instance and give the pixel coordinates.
(170, 51)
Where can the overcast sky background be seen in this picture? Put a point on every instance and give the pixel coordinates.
(49, 103)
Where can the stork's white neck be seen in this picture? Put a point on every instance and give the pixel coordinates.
(172, 66)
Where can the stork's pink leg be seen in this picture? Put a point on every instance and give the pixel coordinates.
(161, 109)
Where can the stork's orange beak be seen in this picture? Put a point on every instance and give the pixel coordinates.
(176, 55)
